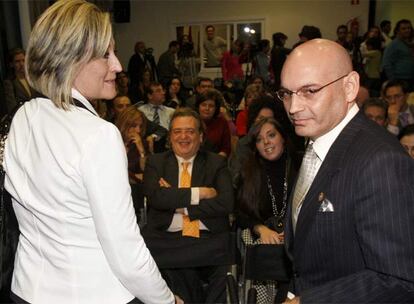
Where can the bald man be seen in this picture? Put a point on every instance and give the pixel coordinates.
(350, 227)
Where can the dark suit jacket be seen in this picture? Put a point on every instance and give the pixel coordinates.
(166, 67)
(15, 94)
(364, 250)
(209, 170)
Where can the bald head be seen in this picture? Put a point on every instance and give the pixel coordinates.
(328, 56)
(321, 86)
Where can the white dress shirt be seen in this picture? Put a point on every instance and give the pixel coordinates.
(67, 173)
(177, 221)
(163, 112)
(323, 144)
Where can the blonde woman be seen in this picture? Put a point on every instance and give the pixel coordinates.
(66, 171)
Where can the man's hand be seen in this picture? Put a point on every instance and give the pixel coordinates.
(393, 113)
(295, 300)
(163, 183)
(150, 141)
(206, 193)
(178, 300)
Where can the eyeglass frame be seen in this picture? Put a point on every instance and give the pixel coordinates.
(290, 93)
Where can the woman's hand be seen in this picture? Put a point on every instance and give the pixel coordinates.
(269, 236)
(135, 137)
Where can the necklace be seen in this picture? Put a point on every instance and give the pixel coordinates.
(276, 212)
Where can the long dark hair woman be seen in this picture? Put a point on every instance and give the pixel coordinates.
(265, 183)
(66, 170)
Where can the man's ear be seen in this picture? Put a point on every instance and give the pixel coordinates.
(351, 86)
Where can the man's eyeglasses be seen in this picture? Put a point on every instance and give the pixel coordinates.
(305, 92)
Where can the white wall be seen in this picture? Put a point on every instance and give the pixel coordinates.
(154, 21)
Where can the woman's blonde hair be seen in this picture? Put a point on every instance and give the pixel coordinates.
(128, 119)
(66, 36)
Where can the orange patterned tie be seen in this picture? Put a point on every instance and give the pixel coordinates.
(190, 228)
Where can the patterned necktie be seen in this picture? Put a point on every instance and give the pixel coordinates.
(190, 228)
(307, 173)
(156, 116)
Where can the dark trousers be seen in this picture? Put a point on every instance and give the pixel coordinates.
(198, 285)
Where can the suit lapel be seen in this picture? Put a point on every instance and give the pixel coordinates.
(199, 170)
(332, 164)
(21, 89)
(171, 169)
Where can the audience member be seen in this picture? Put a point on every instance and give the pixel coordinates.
(138, 63)
(398, 59)
(214, 46)
(351, 171)
(231, 64)
(190, 197)
(203, 84)
(342, 33)
(138, 96)
(188, 65)
(168, 62)
(406, 138)
(154, 110)
(16, 88)
(263, 107)
(376, 110)
(385, 27)
(122, 83)
(118, 105)
(308, 32)
(155, 134)
(372, 65)
(400, 114)
(266, 181)
(217, 133)
(250, 94)
(132, 124)
(363, 95)
(278, 56)
(261, 61)
(174, 96)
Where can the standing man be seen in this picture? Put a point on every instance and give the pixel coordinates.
(138, 63)
(214, 46)
(351, 217)
(398, 60)
(167, 67)
(16, 88)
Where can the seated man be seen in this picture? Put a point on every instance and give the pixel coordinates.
(203, 84)
(400, 114)
(376, 110)
(190, 197)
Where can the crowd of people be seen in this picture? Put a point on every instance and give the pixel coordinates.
(201, 157)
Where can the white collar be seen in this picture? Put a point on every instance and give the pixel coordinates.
(323, 144)
(182, 160)
(77, 95)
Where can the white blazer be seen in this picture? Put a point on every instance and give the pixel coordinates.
(79, 242)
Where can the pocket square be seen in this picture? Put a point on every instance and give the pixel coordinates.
(326, 206)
